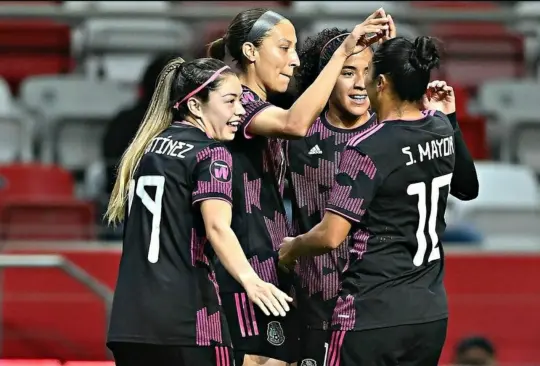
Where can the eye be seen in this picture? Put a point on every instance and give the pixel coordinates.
(286, 48)
(348, 74)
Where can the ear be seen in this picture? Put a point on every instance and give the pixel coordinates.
(382, 82)
(249, 50)
(195, 107)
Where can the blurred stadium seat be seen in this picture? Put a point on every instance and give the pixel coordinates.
(37, 202)
(16, 131)
(30, 363)
(89, 363)
(513, 105)
(74, 111)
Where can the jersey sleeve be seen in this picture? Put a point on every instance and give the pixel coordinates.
(253, 107)
(355, 184)
(213, 175)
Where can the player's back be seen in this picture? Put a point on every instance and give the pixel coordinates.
(166, 282)
(403, 171)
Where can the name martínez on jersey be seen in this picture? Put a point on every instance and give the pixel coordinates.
(429, 150)
(168, 146)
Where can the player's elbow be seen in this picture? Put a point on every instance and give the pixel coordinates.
(295, 128)
(331, 240)
(216, 230)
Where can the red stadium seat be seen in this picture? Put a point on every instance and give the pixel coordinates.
(90, 363)
(474, 133)
(33, 48)
(30, 363)
(36, 202)
(476, 51)
(34, 181)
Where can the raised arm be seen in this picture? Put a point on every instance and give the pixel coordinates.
(296, 121)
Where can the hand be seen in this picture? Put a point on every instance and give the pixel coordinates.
(376, 25)
(391, 32)
(286, 260)
(267, 297)
(440, 97)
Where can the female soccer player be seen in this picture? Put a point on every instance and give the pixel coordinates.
(312, 164)
(263, 43)
(174, 187)
(391, 194)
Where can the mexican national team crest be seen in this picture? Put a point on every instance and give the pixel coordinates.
(275, 334)
(308, 362)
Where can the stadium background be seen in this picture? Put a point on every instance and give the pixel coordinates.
(68, 67)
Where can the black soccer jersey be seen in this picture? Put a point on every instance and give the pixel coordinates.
(313, 162)
(259, 219)
(166, 291)
(393, 187)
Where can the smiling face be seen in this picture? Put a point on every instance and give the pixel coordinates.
(349, 95)
(221, 114)
(276, 57)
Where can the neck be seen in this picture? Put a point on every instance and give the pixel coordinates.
(399, 110)
(344, 120)
(252, 82)
(199, 124)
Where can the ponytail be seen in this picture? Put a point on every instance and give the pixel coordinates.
(157, 118)
(216, 49)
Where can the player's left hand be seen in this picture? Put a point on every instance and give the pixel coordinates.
(439, 96)
(391, 32)
(286, 260)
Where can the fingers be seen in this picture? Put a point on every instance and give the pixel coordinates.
(260, 304)
(377, 14)
(272, 304)
(392, 31)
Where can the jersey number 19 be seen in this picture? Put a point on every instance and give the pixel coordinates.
(420, 190)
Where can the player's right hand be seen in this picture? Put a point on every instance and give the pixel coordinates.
(364, 35)
(267, 297)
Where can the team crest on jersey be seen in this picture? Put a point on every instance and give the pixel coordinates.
(275, 334)
(308, 362)
(221, 171)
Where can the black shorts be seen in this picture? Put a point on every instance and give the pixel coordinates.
(404, 345)
(142, 354)
(313, 347)
(254, 333)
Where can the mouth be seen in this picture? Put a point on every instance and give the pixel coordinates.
(287, 76)
(234, 124)
(358, 98)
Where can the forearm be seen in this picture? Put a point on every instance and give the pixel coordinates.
(464, 185)
(230, 253)
(311, 244)
(311, 103)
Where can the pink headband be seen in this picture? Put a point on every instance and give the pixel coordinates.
(336, 37)
(212, 78)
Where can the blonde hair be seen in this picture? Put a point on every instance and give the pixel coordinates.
(157, 118)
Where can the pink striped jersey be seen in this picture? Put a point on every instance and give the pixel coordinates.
(313, 162)
(392, 186)
(166, 291)
(259, 219)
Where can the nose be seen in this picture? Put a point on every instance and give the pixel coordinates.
(295, 60)
(359, 82)
(239, 109)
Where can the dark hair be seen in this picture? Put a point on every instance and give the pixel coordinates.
(475, 342)
(189, 76)
(408, 64)
(315, 53)
(151, 74)
(237, 34)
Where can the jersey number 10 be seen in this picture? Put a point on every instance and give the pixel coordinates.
(153, 205)
(420, 190)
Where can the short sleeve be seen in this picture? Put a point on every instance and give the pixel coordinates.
(213, 175)
(253, 106)
(355, 185)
